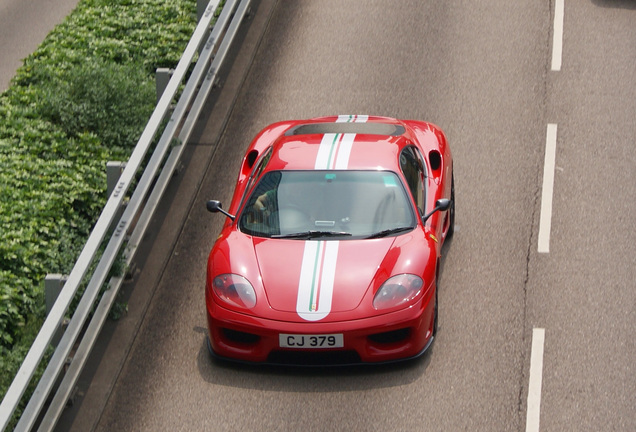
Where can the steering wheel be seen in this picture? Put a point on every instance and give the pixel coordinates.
(291, 218)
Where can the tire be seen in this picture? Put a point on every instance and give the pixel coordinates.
(436, 314)
(451, 225)
(436, 309)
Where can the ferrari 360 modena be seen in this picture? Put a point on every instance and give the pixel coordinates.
(330, 251)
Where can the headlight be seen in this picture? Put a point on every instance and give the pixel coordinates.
(235, 290)
(398, 290)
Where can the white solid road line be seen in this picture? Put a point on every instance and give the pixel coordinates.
(557, 40)
(545, 220)
(533, 412)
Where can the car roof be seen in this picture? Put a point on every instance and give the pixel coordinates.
(353, 145)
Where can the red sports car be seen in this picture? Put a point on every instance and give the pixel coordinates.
(330, 251)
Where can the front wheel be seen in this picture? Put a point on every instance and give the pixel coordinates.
(436, 313)
(451, 211)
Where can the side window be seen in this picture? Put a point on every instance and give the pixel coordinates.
(412, 168)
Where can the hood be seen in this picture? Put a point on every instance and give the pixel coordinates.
(317, 277)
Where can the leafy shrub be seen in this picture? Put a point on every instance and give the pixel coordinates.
(46, 208)
(81, 99)
(106, 99)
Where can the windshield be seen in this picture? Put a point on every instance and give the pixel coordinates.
(315, 204)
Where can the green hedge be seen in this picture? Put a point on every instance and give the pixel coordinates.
(81, 99)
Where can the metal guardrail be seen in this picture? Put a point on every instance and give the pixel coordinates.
(155, 176)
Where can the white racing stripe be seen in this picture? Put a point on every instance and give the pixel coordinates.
(317, 274)
(318, 269)
(334, 151)
(335, 148)
(344, 151)
(352, 119)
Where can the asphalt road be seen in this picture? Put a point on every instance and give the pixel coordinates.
(23, 26)
(482, 71)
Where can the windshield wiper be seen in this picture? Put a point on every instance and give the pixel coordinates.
(388, 232)
(311, 234)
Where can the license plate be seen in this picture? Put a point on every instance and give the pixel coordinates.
(310, 341)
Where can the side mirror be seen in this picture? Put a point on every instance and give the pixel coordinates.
(214, 206)
(440, 205)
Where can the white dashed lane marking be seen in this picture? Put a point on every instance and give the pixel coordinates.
(533, 412)
(545, 220)
(557, 38)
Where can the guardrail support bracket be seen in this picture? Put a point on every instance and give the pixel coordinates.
(53, 284)
(162, 78)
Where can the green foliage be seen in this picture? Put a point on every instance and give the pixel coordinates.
(81, 99)
(47, 205)
(106, 99)
(153, 32)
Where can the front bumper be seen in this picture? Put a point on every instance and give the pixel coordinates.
(398, 335)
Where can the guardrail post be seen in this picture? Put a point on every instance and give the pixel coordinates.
(53, 284)
(162, 78)
(113, 172)
(114, 169)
